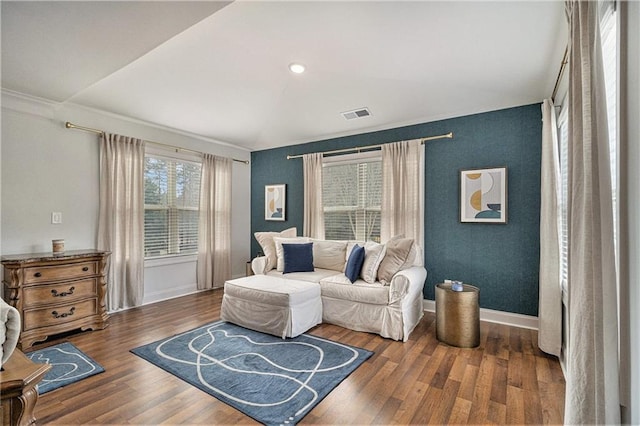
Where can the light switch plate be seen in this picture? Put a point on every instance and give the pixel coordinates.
(56, 218)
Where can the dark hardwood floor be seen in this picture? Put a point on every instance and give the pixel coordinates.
(507, 380)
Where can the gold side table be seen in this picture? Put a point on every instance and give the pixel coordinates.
(458, 316)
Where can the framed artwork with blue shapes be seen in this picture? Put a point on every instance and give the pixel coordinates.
(483, 195)
(275, 202)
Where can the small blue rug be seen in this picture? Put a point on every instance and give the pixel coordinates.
(273, 380)
(68, 365)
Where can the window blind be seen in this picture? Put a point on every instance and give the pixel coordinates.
(171, 199)
(352, 195)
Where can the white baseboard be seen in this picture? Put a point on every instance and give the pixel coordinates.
(500, 317)
(159, 296)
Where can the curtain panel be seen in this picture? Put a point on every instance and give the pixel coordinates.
(402, 210)
(121, 218)
(214, 222)
(592, 392)
(313, 223)
(550, 292)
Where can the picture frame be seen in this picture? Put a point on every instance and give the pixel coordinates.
(275, 202)
(483, 195)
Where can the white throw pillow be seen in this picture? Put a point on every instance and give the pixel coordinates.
(329, 254)
(280, 253)
(373, 255)
(265, 239)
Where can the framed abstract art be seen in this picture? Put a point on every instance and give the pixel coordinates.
(483, 195)
(275, 202)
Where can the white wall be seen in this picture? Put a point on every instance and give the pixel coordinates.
(46, 167)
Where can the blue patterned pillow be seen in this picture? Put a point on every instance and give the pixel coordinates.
(298, 257)
(354, 263)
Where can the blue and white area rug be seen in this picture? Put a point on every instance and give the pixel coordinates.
(272, 380)
(68, 365)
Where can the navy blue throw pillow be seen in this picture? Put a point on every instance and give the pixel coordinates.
(298, 257)
(354, 264)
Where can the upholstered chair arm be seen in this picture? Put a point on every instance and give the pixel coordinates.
(408, 281)
(10, 326)
(259, 265)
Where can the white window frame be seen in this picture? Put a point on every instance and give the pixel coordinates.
(357, 158)
(161, 152)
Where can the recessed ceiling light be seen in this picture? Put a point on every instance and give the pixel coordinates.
(296, 68)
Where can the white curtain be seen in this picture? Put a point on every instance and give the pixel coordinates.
(121, 220)
(550, 292)
(214, 225)
(402, 211)
(313, 223)
(592, 392)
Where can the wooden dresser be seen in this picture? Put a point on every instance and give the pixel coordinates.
(56, 293)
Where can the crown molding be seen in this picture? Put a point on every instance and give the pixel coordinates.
(33, 105)
(27, 104)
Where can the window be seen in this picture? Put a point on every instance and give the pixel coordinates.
(171, 198)
(563, 141)
(608, 33)
(352, 195)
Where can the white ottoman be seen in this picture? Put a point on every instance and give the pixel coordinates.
(270, 304)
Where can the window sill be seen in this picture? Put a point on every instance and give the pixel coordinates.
(170, 260)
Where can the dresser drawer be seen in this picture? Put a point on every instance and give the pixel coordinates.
(39, 274)
(60, 314)
(47, 294)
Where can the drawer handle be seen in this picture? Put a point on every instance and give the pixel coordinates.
(64, 293)
(37, 275)
(85, 269)
(64, 315)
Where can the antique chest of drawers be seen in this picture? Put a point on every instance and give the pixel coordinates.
(56, 293)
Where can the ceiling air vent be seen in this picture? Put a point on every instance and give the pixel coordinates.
(356, 113)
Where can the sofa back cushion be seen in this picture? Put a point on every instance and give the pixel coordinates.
(268, 246)
(329, 254)
(280, 253)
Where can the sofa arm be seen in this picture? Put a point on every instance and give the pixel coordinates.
(408, 281)
(259, 265)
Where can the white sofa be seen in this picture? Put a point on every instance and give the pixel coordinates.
(389, 307)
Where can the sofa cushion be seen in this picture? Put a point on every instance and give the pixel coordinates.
(354, 263)
(313, 277)
(268, 246)
(399, 255)
(280, 253)
(329, 254)
(373, 255)
(339, 287)
(298, 257)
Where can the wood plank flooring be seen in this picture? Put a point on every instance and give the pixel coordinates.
(507, 380)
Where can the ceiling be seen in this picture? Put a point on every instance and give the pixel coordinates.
(220, 69)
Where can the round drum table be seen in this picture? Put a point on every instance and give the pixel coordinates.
(458, 316)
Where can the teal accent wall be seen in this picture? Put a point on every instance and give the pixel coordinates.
(502, 260)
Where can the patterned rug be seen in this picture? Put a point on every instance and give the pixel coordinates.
(68, 365)
(272, 380)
